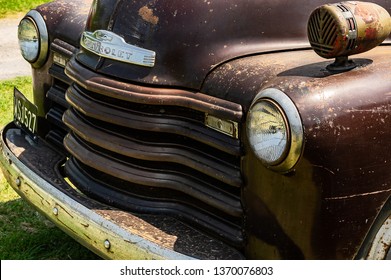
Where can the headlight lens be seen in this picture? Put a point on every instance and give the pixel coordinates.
(274, 130)
(28, 40)
(267, 132)
(33, 38)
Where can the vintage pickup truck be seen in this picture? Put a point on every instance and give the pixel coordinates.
(208, 129)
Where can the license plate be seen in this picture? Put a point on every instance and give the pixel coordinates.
(25, 113)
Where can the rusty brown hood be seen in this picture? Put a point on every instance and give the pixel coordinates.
(190, 38)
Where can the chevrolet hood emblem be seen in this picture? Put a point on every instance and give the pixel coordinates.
(110, 45)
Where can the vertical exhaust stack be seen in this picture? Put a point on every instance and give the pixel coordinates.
(347, 28)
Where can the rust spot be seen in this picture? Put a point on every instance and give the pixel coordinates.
(147, 14)
(85, 225)
(367, 14)
(370, 33)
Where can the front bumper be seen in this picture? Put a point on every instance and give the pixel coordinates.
(33, 169)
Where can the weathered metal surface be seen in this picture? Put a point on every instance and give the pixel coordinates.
(158, 178)
(147, 149)
(111, 111)
(154, 151)
(64, 20)
(117, 89)
(380, 249)
(325, 208)
(148, 200)
(107, 231)
(377, 242)
(190, 38)
(158, 122)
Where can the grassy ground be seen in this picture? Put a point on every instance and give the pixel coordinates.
(24, 233)
(8, 8)
(6, 96)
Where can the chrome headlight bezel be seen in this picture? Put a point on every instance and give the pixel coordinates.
(294, 133)
(39, 56)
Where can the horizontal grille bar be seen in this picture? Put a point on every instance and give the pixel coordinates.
(153, 151)
(172, 204)
(152, 96)
(87, 104)
(159, 177)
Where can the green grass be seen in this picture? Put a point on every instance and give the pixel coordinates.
(24, 233)
(6, 96)
(8, 7)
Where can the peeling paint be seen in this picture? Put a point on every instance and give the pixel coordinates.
(147, 15)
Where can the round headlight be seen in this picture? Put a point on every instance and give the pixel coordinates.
(274, 130)
(28, 39)
(268, 132)
(33, 38)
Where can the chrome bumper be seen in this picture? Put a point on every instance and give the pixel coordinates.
(33, 169)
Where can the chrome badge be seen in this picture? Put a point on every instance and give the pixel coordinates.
(110, 45)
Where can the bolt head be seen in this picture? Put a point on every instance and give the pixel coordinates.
(55, 211)
(18, 182)
(220, 124)
(107, 244)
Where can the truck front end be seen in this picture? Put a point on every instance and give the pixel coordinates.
(183, 130)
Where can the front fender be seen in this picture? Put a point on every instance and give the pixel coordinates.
(327, 205)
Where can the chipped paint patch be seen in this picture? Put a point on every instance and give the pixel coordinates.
(147, 15)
